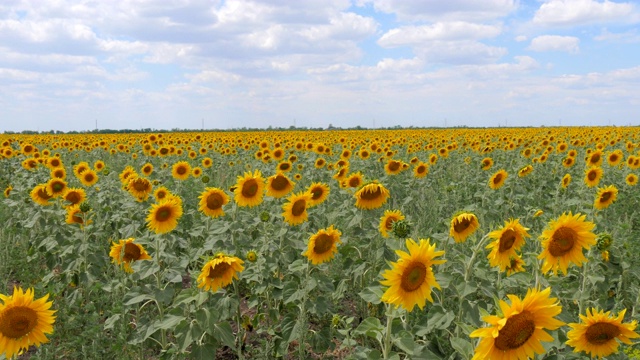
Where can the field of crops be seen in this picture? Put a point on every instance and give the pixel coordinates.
(405, 244)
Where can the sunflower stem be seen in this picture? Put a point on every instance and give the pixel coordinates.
(163, 332)
(386, 345)
(584, 283)
(240, 335)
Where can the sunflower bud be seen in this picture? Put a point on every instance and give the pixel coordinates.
(265, 216)
(604, 241)
(205, 179)
(252, 256)
(335, 320)
(84, 207)
(605, 256)
(401, 229)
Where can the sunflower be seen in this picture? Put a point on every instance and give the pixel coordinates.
(371, 196)
(295, 210)
(563, 241)
(387, 220)
(631, 179)
(411, 278)
(211, 202)
(323, 245)
(161, 193)
(525, 171)
(566, 180)
(53, 162)
(7, 191)
(249, 189)
(207, 162)
(219, 272)
(126, 174)
(420, 170)
(139, 188)
(40, 196)
(597, 332)
(595, 158)
(181, 170)
(163, 216)
(515, 265)
(147, 169)
(508, 240)
(615, 157)
(284, 166)
(279, 185)
(497, 179)
(568, 162)
(59, 173)
(125, 252)
(518, 333)
(605, 197)
(24, 322)
(393, 167)
(592, 176)
(98, 165)
(486, 164)
(463, 225)
(88, 177)
(319, 193)
(80, 168)
(320, 163)
(76, 216)
(74, 195)
(56, 187)
(354, 180)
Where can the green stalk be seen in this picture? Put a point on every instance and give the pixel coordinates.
(240, 335)
(163, 332)
(386, 345)
(583, 285)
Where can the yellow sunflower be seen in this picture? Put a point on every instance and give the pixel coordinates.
(592, 176)
(24, 321)
(615, 157)
(387, 220)
(76, 216)
(420, 170)
(88, 177)
(59, 173)
(163, 216)
(40, 196)
(605, 197)
(563, 241)
(219, 272)
(319, 193)
(508, 240)
(7, 191)
(486, 164)
(126, 174)
(161, 193)
(279, 185)
(323, 245)
(80, 168)
(98, 165)
(595, 158)
(566, 180)
(597, 332)
(125, 252)
(295, 209)
(518, 333)
(631, 179)
(393, 167)
(463, 225)
(249, 189)
(516, 264)
(497, 180)
(525, 171)
(411, 278)
(371, 196)
(354, 180)
(147, 169)
(74, 195)
(211, 202)
(56, 187)
(139, 188)
(181, 170)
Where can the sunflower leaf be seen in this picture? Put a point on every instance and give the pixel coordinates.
(370, 327)
(372, 294)
(463, 347)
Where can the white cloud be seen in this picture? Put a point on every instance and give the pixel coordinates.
(627, 37)
(555, 43)
(437, 10)
(521, 38)
(575, 12)
(457, 30)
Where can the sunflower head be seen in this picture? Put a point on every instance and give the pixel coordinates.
(462, 225)
(564, 240)
(318, 193)
(126, 252)
(249, 190)
(507, 241)
(599, 332)
(322, 245)
(371, 196)
(604, 241)
(605, 197)
(295, 209)
(211, 202)
(387, 220)
(163, 216)
(401, 228)
(219, 272)
(279, 185)
(497, 180)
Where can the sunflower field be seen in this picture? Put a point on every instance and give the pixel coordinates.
(372, 244)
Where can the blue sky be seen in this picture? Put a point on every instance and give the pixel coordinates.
(167, 64)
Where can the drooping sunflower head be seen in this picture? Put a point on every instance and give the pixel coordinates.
(371, 196)
(279, 185)
(563, 241)
(219, 272)
(463, 225)
(411, 278)
(322, 245)
(592, 176)
(75, 215)
(181, 170)
(525, 171)
(486, 163)
(566, 180)
(295, 209)
(24, 321)
(497, 180)
(387, 220)
(249, 189)
(126, 252)
(319, 193)
(516, 264)
(163, 216)
(598, 333)
(519, 332)
(507, 241)
(211, 202)
(605, 197)
(40, 196)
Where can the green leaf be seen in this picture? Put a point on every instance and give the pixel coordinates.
(370, 327)
(137, 299)
(463, 347)
(222, 331)
(372, 294)
(404, 340)
(111, 321)
(169, 322)
(204, 352)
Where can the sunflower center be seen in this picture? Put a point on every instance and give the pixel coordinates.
(461, 225)
(497, 179)
(316, 193)
(88, 178)
(298, 207)
(284, 167)
(394, 165)
(57, 187)
(562, 241)
(388, 224)
(181, 170)
(42, 193)
(413, 276)
(515, 332)
(163, 214)
(613, 158)
(605, 196)
(218, 270)
(592, 175)
(141, 185)
(279, 183)
(131, 252)
(371, 194)
(73, 197)
(354, 182)
(323, 244)
(17, 321)
(506, 240)
(214, 201)
(250, 188)
(600, 333)
(595, 158)
(421, 169)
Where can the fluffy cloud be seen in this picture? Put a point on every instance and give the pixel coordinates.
(574, 12)
(555, 43)
(457, 30)
(436, 10)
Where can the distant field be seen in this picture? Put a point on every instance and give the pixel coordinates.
(307, 244)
